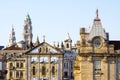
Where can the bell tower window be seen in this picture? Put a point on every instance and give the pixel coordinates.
(67, 45)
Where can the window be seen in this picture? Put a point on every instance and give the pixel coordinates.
(65, 74)
(97, 65)
(11, 55)
(71, 75)
(21, 64)
(26, 31)
(40, 50)
(65, 65)
(53, 70)
(14, 54)
(71, 65)
(97, 70)
(17, 74)
(21, 74)
(11, 65)
(46, 50)
(17, 64)
(67, 45)
(33, 70)
(43, 70)
(10, 74)
(97, 78)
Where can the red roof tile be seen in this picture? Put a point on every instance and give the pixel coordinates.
(13, 47)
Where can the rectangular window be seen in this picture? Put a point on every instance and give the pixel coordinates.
(21, 65)
(65, 65)
(10, 74)
(17, 74)
(17, 64)
(97, 78)
(97, 69)
(65, 74)
(71, 74)
(11, 65)
(21, 74)
(71, 65)
(97, 65)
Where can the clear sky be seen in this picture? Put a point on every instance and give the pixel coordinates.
(56, 18)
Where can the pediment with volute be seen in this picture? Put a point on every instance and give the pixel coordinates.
(44, 48)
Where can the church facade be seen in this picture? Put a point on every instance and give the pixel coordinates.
(98, 57)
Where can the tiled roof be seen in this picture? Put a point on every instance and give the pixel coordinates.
(116, 44)
(13, 47)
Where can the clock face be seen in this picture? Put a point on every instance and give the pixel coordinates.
(97, 43)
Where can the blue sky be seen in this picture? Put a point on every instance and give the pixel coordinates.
(56, 18)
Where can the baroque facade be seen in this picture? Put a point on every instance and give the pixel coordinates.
(44, 62)
(98, 57)
(26, 60)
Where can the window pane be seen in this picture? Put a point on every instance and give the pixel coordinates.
(97, 65)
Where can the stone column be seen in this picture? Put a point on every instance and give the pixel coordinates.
(68, 68)
(112, 70)
(29, 68)
(26, 66)
(58, 70)
(38, 68)
(61, 68)
(49, 61)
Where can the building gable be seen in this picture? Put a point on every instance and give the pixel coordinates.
(44, 48)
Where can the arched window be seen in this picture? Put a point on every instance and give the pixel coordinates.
(33, 70)
(53, 70)
(43, 70)
(67, 45)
